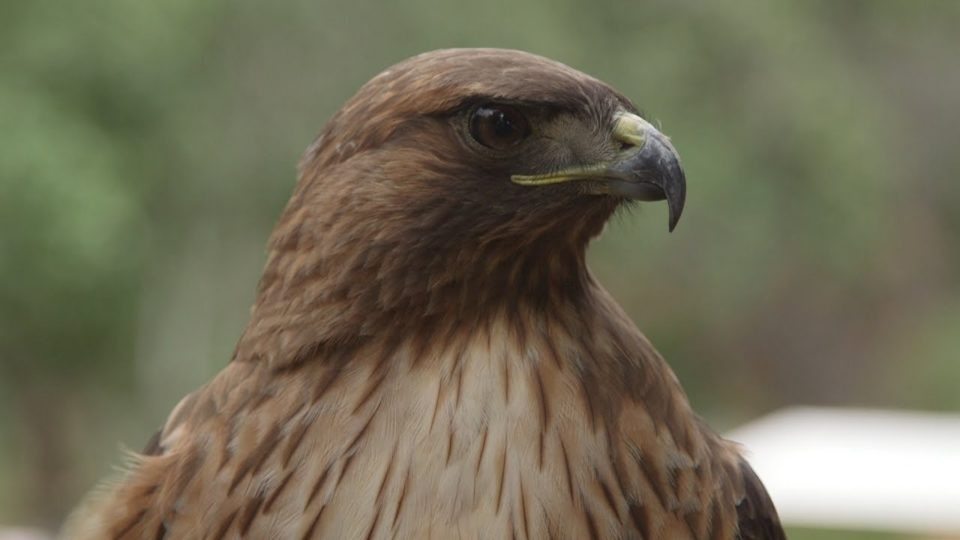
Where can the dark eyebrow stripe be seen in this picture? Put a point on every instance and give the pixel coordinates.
(475, 100)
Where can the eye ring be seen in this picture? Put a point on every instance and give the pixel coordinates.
(498, 126)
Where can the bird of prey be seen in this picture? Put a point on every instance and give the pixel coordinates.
(428, 355)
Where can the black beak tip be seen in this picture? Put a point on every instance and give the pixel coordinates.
(675, 209)
(661, 157)
(653, 173)
(676, 194)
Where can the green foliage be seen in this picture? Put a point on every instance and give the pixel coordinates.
(797, 533)
(150, 146)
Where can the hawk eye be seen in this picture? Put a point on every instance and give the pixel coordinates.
(498, 126)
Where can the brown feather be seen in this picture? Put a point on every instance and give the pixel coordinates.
(429, 355)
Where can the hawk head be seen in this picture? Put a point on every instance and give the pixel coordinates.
(451, 184)
(510, 132)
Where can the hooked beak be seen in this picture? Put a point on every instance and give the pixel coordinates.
(648, 169)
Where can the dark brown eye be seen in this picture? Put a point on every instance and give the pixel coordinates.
(498, 126)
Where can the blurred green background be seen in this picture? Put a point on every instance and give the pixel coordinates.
(148, 148)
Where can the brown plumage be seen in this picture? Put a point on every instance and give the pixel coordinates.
(428, 355)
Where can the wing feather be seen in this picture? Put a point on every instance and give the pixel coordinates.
(756, 515)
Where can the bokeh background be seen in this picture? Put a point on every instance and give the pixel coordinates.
(148, 147)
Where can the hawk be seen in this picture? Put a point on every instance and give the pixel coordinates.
(428, 355)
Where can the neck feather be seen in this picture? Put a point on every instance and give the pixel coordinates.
(347, 270)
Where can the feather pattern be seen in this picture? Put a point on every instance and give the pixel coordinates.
(430, 357)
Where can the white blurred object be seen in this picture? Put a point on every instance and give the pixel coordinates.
(859, 468)
(22, 533)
